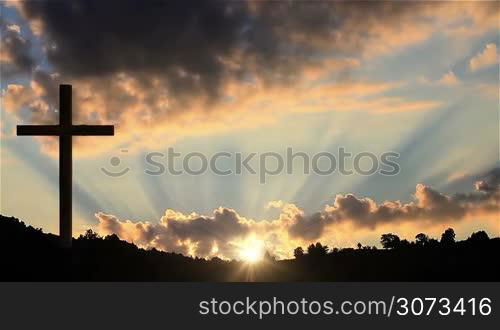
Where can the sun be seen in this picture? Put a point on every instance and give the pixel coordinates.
(251, 254)
(251, 251)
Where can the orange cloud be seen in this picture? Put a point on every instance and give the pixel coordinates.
(150, 116)
(449, 79)
(485, 58)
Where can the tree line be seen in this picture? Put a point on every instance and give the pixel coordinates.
(28, 254)
(392, 241)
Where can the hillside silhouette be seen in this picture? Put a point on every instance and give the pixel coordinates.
(28, 254)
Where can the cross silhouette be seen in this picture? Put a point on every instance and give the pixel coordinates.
(65, 130)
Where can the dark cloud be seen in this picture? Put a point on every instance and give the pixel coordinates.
(41, 99)
(175, 39)
(308, 227)
(224, 224)
(192, 48)
(182, 67)
(15, 57)
(491, 183)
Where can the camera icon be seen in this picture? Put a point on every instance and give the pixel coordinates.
(115, 162)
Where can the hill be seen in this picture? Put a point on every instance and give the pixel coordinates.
(28, 254)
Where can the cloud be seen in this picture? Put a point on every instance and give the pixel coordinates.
(15, 58)
(151, 118)
(187, 234)
(485, 58)
(191, 70)
(275, 204)
(15, 28)
(221, 233)
(449, 79)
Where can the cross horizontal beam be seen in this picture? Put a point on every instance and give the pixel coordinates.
(43, 130)
(88, 130)
(57, 130)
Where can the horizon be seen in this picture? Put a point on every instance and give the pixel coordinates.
(388, 242)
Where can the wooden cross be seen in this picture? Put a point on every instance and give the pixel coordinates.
(65, 130)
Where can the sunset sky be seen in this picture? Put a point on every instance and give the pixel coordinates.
(420, 79)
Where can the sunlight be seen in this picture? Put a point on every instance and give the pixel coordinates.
(252, 251)
(251, 255)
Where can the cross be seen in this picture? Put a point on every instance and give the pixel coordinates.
(65, 130)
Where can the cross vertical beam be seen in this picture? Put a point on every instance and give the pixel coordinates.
(65, 166)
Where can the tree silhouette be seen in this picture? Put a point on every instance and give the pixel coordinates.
(317, 250)
(90, 235)
(390, 241)
(405, 244)
(421, 239)
(479, 237)
(448, 237)
(298, 252)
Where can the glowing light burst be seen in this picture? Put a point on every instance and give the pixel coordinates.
(251, 250)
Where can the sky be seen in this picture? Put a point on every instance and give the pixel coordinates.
(417, 79)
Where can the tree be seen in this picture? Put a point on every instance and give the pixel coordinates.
(448, 237)
(90, 235)
(422, 239)
(479, 237)
(112, 238)
(317, 250)
(433, 243)
(359, 246)
(298, 252)
(216, 259)
(390, 241)
(404, 244)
